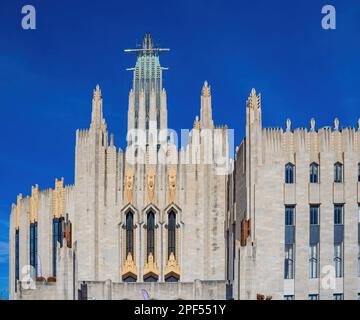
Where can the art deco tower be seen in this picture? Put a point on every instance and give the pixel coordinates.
(147, 98)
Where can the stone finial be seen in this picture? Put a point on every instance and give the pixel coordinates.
(206, 90)
(312, 124)
(112, 140)
(336, 124)
(197, 123)
(254, 100)
(288, 125)
(18, 210)
(97, 92)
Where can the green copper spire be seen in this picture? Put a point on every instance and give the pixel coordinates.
(147, 76)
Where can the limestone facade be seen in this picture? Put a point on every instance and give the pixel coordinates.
(324, 164)
(88, 220)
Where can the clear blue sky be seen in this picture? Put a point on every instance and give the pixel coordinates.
(47, 75)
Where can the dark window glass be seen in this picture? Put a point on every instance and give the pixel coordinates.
(34, 245)
(57, 238)
(233, 250)
(314, 173)
(150, 233)
(338, 172)
(338, 296)
(338, 214)
(55, 241)
(289, 173)
(130, 234)
(314, 215)
(172, 233)
(289, 216)
(17, 266)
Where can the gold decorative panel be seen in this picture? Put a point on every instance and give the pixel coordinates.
(129, 268)
(34, 204)
(151, 184)
(58, 201)
(150, 268)
(172, 184)
(129, 184)
(172, 268)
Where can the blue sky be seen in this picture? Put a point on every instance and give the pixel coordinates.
(47, 75)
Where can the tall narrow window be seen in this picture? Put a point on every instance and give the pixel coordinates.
(57, 238)
(289, 225)
(289, 173)
(313, 261)
(289, 216)
(34, 245)
(55, 241)
(150, 233)
(130, 234)
(172, 234)
(314, 215)
(338, 259)
(338, 172)
(314, 173)
(227, 254)
(289, 261)
(359, 172)
(17, 264)
(338, 214)
(233, 250)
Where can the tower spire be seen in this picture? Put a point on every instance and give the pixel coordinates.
(147, 88)
(206, 120)
(97, 114)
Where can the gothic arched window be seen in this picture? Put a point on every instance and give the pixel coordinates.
(338, 172)
(171, 233)
(314, 173)
(130, 234)
(150, 233)
(289, 173)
